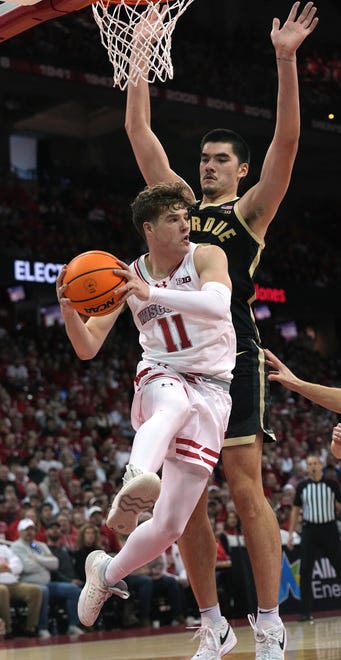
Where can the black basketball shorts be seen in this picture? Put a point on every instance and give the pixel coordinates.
(250, 393)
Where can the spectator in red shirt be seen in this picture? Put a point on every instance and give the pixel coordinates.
(26, 511)
(108, 538)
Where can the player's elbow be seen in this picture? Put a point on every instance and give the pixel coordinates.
(132, 125)
(84, 356)
(136, 126)
(292, 147)
(219, 300)
(288, 147)
(128, 125)
(85, 353)
(223, 308)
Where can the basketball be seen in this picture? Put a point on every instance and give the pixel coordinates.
(92, 284)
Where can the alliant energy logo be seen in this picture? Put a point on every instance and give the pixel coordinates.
(324, 582)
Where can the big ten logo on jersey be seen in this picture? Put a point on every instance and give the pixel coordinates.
(218, 228)
(183, 280)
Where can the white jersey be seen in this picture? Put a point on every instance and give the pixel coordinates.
(183, 342)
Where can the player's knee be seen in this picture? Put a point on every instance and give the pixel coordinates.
(173, 402)
(171, 528)
(197, 521)
(246, 501)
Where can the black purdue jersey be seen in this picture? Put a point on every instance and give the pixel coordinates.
(223, 225)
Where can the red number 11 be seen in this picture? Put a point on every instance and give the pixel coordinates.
(185, 342)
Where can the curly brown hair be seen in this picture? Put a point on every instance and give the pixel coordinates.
(153, 200)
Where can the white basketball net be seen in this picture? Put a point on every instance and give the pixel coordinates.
(134, 55)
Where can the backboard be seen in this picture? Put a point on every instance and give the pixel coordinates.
(16, 18)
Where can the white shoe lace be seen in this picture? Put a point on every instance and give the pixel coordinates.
(208, 640)
(265, 637)
(131, 472)
(97, 594)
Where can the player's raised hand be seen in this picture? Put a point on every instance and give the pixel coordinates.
(288, 38)
(150, 26)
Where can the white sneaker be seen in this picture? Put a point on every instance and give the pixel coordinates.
(139, 493)
(215, 641)
(44, 634)
(95, 591)
(271, 640)
(75, 630)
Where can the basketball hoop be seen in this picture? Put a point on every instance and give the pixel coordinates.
(138, 36)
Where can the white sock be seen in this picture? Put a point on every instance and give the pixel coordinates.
(268, 615)
(210, 615)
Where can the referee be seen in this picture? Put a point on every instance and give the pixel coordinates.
(317, 498)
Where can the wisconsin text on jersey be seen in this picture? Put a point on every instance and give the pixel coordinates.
(209, 225)
(151, 312)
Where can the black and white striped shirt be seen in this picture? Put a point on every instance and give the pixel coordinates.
(317, 500)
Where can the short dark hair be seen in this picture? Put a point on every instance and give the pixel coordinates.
(153, 200)
(314, 454)
(240, 148)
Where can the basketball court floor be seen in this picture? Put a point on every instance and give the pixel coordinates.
(320, 640)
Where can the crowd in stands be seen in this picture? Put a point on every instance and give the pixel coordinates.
(240, 60)
(59, 219)
(65, 437)
(56, 219)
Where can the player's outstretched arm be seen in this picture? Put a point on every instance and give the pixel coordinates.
(149, 153)
(259, 204)
(86, 338)
(328, 397)
(148, 150)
